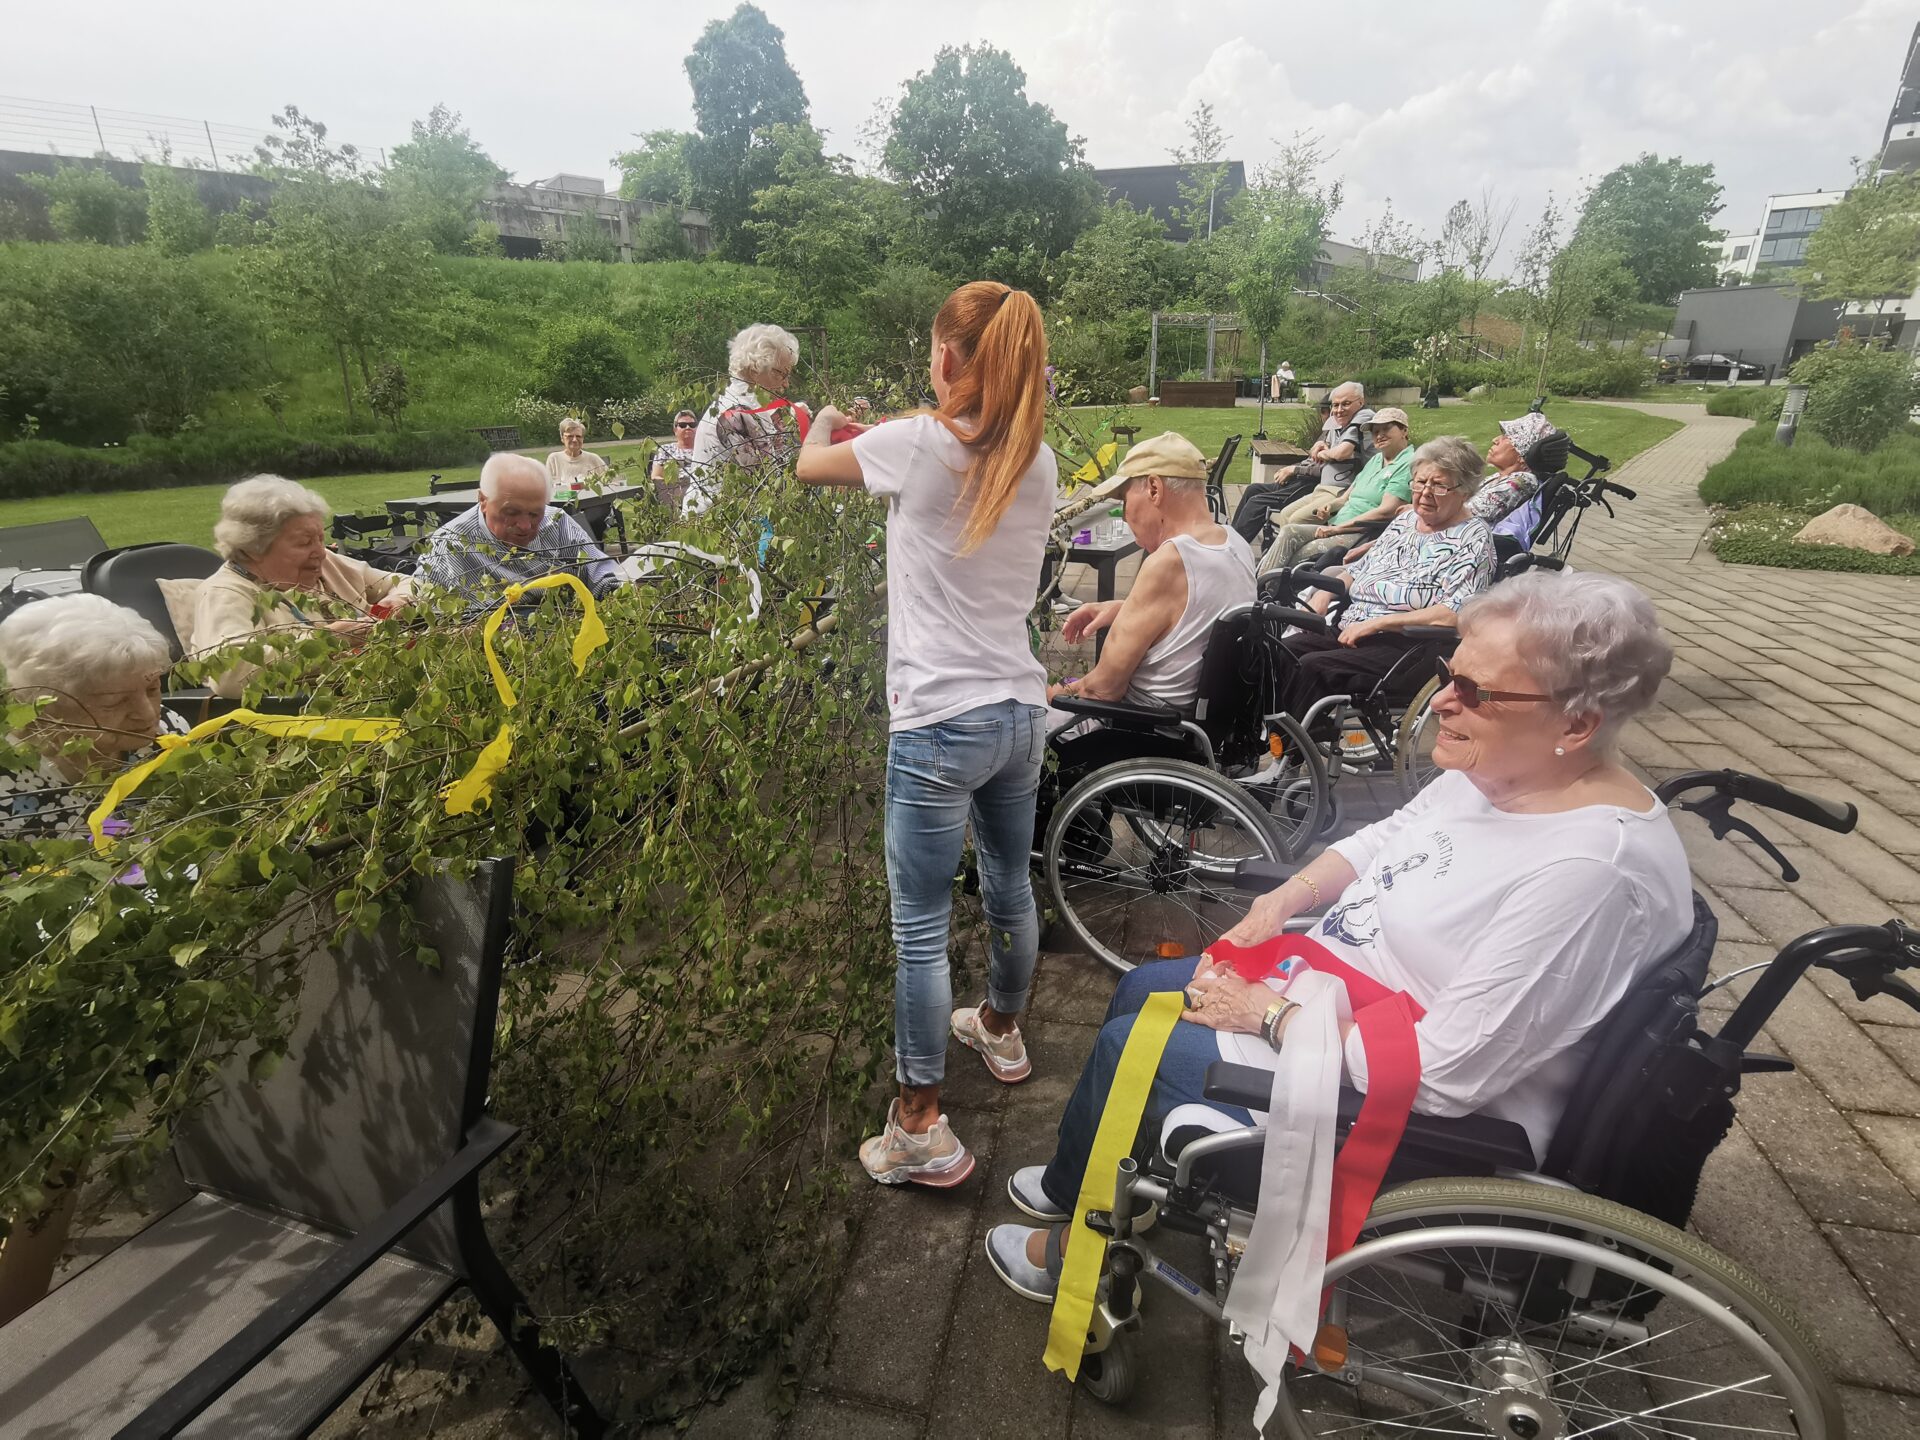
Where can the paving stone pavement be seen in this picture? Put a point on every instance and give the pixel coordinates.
(1808, 678)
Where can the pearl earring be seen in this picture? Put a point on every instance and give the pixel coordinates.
(1559, 749)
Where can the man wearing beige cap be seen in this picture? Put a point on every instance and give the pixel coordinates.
(1194, 570)
(1379, 492)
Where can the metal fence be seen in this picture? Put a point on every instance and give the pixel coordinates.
(57, 127)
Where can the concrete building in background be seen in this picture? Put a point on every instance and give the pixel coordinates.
(1765, 325)
(1735, 252)
(1900, 142)
(1780, 242)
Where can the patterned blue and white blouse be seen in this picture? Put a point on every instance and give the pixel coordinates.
(1408, 570)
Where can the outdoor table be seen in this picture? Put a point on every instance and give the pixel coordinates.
(1105, 560)
(594, 510)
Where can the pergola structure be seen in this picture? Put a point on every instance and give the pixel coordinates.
(1184, 324)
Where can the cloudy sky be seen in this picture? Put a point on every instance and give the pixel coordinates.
(1423, 103)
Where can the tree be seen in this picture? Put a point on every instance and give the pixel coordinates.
(660, 170)
(579, 237)
(1202, 205)
(1867, 249)
(1563, 285)
(339, 259)
(386, 395)
(742, 86)
(1279, 221)
(177, 223)
(580, 360)
(85, 202)
(995, 181)
(1123, 262)
(1656, 216)
(439, 177)
(1860, 392)
(822, 227)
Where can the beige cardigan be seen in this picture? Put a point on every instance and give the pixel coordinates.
(231, 607)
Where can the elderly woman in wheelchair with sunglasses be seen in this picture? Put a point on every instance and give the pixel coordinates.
(1514, 900)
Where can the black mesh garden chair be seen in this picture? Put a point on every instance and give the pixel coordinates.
(331, 1210)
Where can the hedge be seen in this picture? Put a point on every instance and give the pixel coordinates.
(1814, 476)
(46, 467)
(1761, 403)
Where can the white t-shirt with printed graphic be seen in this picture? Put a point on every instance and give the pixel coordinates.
(956, 624)
(1517, 934)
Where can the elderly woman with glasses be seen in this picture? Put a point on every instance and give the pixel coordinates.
(281, 577)
(1515, 899)
(94, 669)
(573, 462)
(678, 452)
(739, 428)
(1431, 559)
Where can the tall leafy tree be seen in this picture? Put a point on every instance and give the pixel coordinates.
(1122, 262)
(997, 184)
(1562, 285)
(438, 178)
(824, 228)
(177, 222)
(1867, 249)
(660, 170)
(340, 259)
(1279, 221)
(1202, 197)
(1656, 216)
(742, 87)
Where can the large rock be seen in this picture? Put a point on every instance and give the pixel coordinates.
(1138, 395)
(1853, 527)
(1480, 392)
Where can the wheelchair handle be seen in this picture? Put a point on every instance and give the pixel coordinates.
(1835, 815)
(1607, 487)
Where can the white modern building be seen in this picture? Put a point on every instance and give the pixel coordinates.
(1786, 225)
(1736, 256)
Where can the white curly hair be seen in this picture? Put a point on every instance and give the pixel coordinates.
(760, 348)
(256, 509)
(78, 644)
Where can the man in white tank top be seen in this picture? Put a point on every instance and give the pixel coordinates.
(1194, 570)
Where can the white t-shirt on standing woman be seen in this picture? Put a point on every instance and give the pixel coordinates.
(956, 624)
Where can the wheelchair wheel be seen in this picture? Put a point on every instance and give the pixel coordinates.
(1508, 1309)
(1140, 858)
(1293, 786)
(1413, 763)
(1108, 1375)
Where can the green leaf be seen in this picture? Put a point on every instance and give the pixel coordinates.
(185, 955)
(85, 929)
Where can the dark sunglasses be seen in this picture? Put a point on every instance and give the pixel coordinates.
(1470, 692)
(686, 425)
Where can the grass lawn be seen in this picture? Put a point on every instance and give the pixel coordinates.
(1610, 430)
(134, 517)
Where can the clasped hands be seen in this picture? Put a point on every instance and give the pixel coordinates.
(1218, 998)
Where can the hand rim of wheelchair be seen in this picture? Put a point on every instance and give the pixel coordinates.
(1669, 1262)
(1153, 833)
(1413, 769)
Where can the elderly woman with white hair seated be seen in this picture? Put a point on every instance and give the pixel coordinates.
(97, 666)
(739, 428)
(1431, 559)
(1515, 899)
(280, 578)
(573, 461)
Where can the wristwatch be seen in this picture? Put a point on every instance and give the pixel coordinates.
(1270, 1023)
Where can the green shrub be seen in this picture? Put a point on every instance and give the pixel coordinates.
(1616, 373)
(1860, 393)
(46, 467)
(578, 359)
(1760, 403)
(1459, 376)
(1383, 377)
(1099, 361)
(85, 202)
(1815, 476)
(1763, 535)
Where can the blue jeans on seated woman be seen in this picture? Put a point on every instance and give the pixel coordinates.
(983, 764)
(1181, 1079)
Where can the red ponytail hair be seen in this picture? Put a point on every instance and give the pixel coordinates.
(997, 405)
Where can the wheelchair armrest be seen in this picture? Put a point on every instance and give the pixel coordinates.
(1439, 634)
(1287, 615)
(1465, 1140)
(1124, 714)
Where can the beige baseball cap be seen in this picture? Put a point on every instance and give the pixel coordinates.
(1168, 454)
(1390, 415)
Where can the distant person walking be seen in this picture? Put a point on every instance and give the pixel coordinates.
(970, 491)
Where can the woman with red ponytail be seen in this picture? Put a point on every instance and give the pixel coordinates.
(970, 491)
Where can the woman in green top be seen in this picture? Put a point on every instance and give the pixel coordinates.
(1379, 493)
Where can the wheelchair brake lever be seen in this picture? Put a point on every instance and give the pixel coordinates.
(1716, 810)
(1870, 978)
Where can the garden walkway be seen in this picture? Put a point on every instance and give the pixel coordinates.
(1808, 678)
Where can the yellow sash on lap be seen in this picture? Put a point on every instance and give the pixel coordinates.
(1112, 1143)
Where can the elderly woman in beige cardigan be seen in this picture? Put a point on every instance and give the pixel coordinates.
(281, 577)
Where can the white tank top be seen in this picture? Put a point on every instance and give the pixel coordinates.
(1218, 576)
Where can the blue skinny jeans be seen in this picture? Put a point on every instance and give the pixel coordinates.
(982, 765)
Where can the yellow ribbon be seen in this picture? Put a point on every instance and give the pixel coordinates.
(286, 727)
(1112, 1142)
(1097, 466)
(475, 788)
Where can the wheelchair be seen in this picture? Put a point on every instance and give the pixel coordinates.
(1495, 1293)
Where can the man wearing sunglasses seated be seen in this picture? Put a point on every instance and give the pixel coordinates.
(1430, 560)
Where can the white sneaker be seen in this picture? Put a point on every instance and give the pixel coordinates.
(937, 1158)
(1006, 1055)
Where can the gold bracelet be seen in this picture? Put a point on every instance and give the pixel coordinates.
(1307, 881)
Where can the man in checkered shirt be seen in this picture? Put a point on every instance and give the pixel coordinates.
(513, 535)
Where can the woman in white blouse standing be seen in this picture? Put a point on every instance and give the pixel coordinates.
(970, 489)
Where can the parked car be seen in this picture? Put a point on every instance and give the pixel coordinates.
(1709, 366)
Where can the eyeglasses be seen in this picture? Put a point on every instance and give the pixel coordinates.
(1433, 487)
(1470, 693)
(685, 425)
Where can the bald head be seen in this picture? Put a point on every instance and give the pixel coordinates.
(514, 492)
